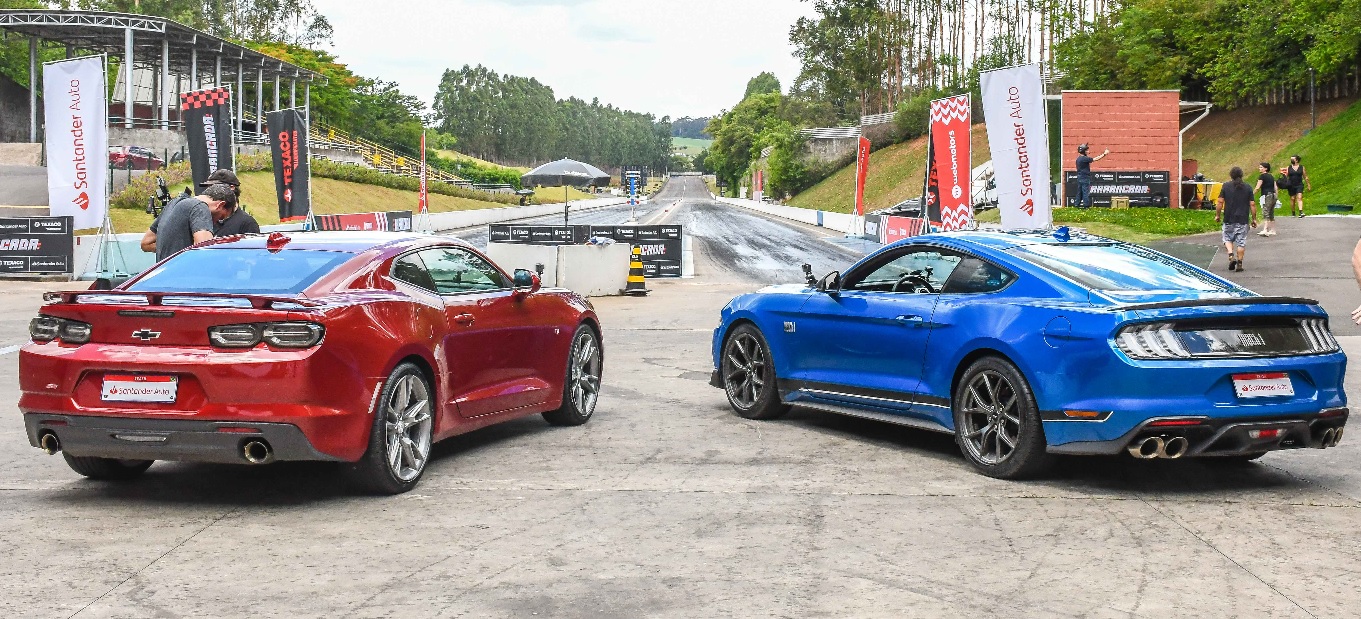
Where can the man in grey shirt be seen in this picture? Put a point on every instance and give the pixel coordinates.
(188, 220)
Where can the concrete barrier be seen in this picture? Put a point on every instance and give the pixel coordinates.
(841, 222)
(590, 270)
(455, 220)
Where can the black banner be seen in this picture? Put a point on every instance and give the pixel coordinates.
(1142, 188)
(207, 116)
(661, 245)
(36, 245)
(292, 172)
(932, 190)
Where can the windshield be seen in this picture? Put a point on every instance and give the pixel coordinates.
(241, 271)
(1120, 268)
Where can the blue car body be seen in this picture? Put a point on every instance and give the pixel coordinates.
(898, 356)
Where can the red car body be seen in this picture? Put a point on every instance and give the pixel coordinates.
(489, 356)
(134, 158)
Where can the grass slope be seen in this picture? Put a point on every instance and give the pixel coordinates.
(895, 174)
(1247, 136)
(457, 156)
(329, 196)
(1327, 156)
(689, 146)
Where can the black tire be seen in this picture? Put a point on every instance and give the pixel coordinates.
(993, 391)
(748, 375)
(402, 434)
(106, 468)
(581, 386)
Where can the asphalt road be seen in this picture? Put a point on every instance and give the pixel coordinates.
(23, 185)
(668, 505)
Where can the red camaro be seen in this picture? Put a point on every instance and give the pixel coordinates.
(338, 346)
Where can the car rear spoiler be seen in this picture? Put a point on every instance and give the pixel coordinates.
(1217, 301)
(158, 298)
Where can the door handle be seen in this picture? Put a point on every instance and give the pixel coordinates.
(910, 320)
(465, 319)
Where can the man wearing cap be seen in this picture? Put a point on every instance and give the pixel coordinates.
(1084, 174)
(188, 220)
(239, 222)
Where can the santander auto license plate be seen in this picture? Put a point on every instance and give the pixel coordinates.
(1262, 385)
(134, 388)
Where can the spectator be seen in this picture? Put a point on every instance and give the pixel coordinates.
(1084, 174)
(1234, 205)
(188, 220)
(1266, 188)
(1299, 181)
(239, 222)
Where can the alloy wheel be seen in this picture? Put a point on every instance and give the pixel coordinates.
(746, 375)
(408, 422)
(991, 417)
(585, 374)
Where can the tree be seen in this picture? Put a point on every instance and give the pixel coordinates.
(762, 84)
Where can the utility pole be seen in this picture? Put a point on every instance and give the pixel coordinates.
(1313, 111)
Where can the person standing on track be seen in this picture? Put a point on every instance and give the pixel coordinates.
(1266, 188)
(1084, 174)
(1234, 207)
(1299, 182)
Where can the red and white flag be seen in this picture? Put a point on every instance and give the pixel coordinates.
(950, 177)
(424, 205)
(862, 169)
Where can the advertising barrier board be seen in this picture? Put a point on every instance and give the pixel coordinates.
(661, 246)
(36, 245)
(391, 221)
(1142, 188)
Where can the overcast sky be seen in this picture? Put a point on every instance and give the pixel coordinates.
(669, 58)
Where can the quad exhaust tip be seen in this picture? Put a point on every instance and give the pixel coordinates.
(49, 443)
(1328, 438)
(1174, 448)
(1153, 447)
(257, 451)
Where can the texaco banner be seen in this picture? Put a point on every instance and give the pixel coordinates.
(1013, 106)
(207, 118)
(292, 171)
(77, 116)
(949, 180)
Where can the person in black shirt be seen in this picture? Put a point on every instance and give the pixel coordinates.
(1299, 181)
(1234, 207)
(1084, 174)
(1266, 188)
(239, 222)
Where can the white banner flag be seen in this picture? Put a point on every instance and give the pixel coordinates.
(1013, 106)
(77, 114)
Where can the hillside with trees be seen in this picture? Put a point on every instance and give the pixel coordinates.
(517, 120)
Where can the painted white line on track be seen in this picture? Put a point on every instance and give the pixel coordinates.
(9, 349)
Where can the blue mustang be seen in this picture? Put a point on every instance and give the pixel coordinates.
(1027, 345)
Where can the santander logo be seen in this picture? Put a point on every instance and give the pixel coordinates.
(83, 201)
(1029, 206)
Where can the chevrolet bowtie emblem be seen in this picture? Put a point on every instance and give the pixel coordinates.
(146, 335)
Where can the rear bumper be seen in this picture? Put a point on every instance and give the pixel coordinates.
(169, 439)
(1222, 436)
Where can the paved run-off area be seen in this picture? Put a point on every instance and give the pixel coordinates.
(667, 504)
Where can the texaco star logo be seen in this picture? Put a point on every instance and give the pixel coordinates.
(146, 335)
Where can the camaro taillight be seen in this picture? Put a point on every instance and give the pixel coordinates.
(277, 334)
(48, 328)
(1249, 337)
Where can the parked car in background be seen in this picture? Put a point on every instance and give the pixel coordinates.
(134, 158)
(1024, 346)
(350, 347)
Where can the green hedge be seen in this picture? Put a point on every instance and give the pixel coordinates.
(369, 176)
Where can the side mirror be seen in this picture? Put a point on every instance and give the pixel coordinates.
(538, 268)
(830, 283)
(526, 282)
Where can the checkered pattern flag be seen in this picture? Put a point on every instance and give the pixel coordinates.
(205, 98)
(207, 116)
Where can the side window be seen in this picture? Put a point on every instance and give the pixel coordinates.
(456, 270)
(919, 270)
(411, 270)
(974, 276)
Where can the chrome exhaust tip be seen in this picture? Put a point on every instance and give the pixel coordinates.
(257, 452)
(1327, 438)
(1337, 437)
(1147, 449)
(1174, 448)
(49, 443)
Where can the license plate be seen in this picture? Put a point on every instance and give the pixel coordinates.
(1262, 385)
(130, 388)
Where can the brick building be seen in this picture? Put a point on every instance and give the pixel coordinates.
(1140, 127)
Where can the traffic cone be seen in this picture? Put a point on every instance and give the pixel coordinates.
(636, 285)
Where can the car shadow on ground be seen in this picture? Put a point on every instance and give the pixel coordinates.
(275, 484)
(1097, 475)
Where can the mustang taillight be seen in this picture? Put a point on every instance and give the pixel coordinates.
(1252, 337)
(48, 328)
(277, 334)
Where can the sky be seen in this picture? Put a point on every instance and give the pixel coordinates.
(668, 58)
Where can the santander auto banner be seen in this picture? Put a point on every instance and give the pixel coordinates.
(77, 117)
(1013, 106)
(862, 169)
(951, 163)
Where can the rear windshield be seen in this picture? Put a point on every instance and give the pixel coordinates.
(1120, 267)
(241, 271)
